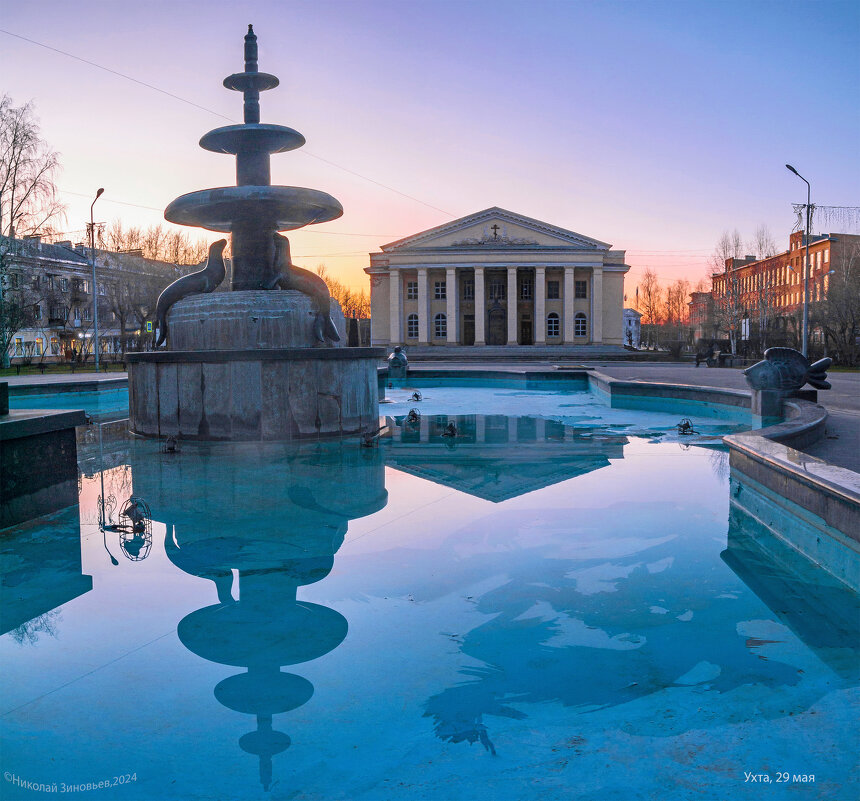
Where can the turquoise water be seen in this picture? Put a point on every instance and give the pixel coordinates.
(105, 404)
(558, 602)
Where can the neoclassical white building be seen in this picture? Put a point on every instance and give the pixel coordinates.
(497, 278)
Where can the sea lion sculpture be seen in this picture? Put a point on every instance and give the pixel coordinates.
(288, 276)
(204, 280)
(787, 370)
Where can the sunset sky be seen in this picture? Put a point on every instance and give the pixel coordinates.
(650, 125)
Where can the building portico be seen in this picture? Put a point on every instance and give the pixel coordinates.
(497, 278)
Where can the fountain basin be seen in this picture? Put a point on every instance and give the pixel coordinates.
(259, 137)
(283, 208)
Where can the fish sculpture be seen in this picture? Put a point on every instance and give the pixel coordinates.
(787, 370)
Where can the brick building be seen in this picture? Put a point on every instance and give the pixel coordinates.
(767, 293)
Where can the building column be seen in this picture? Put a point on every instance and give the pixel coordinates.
(424, 428)
(423, 308)
(540, 306)
(480, 307)
(512, 305)
(452, 293)
(568, 306)
(480, 428)
(597, 305)
(395, 313)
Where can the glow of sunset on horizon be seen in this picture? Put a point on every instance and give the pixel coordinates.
(652, 126)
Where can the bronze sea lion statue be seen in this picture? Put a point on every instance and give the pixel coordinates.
(204, 280)
(288, 276)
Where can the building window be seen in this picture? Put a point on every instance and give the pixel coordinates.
(37, 312)
(440, 326)
(38, 350)
(579, 325)
(411, 290)
(580, 289)
(526, 289)
(552, 325)
(440, 290)
(469, 289)
(827, 255)
(101, 289)
(87, 313)
(55, 345)
(412, 326)
(497, 289)
(34, 282)
(818, 260)
(552, 290)
(64, 284)
(19, 346)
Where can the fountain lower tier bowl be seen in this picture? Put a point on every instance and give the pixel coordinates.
(226, 208)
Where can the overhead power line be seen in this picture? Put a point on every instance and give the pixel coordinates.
(217, 114)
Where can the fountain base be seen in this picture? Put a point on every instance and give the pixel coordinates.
(249, 368)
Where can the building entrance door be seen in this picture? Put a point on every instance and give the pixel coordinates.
(497, 330)
(526, 332)
(468, 329)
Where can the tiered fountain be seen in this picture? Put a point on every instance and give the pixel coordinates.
(266, 360)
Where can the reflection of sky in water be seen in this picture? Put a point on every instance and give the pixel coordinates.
(598, 634)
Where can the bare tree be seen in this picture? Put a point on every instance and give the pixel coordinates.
(726, 288)
(650, 304)
(28, 204)
(838, 314)
(354, 304)
(762, 245)
(156, 242)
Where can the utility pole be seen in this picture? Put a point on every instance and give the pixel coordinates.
(805, 269)
(95, 286)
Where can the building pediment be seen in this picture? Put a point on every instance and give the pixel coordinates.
(494, 229)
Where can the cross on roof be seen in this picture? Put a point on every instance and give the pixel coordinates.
(495, 229)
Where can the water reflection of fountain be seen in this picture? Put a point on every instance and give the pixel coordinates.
(276, 516)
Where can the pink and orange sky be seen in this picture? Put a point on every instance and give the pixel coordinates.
(650, 125)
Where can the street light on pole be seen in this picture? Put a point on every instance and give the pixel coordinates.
(95, 287)
(805, 271)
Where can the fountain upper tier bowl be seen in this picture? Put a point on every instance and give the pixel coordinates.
(225, 208)
(252, 137)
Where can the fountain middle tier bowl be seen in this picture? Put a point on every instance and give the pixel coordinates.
(252, 137)
(282, 208)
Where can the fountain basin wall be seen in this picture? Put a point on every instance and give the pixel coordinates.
(277, 394)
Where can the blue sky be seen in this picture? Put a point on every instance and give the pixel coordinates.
(651, 125)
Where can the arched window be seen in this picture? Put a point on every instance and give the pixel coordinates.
(580, 326)
(412, 326)
(552, 325)
(440, 326)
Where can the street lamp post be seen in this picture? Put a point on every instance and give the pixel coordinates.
(805, 271)
(95, 286)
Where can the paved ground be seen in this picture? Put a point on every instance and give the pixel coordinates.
(841, 446)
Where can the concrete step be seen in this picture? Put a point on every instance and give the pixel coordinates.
(492, 353)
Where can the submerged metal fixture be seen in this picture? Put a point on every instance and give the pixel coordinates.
(416, 396)
(413, 417)
(170, 445)
(450, 430)
(685, 427)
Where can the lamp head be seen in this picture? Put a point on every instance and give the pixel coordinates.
(99, 193)
(789, 167)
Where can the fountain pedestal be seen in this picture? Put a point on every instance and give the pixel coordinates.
(245, 366)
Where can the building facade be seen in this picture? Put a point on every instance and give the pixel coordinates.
(497, 278)
(754, 294)
(52, 283)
